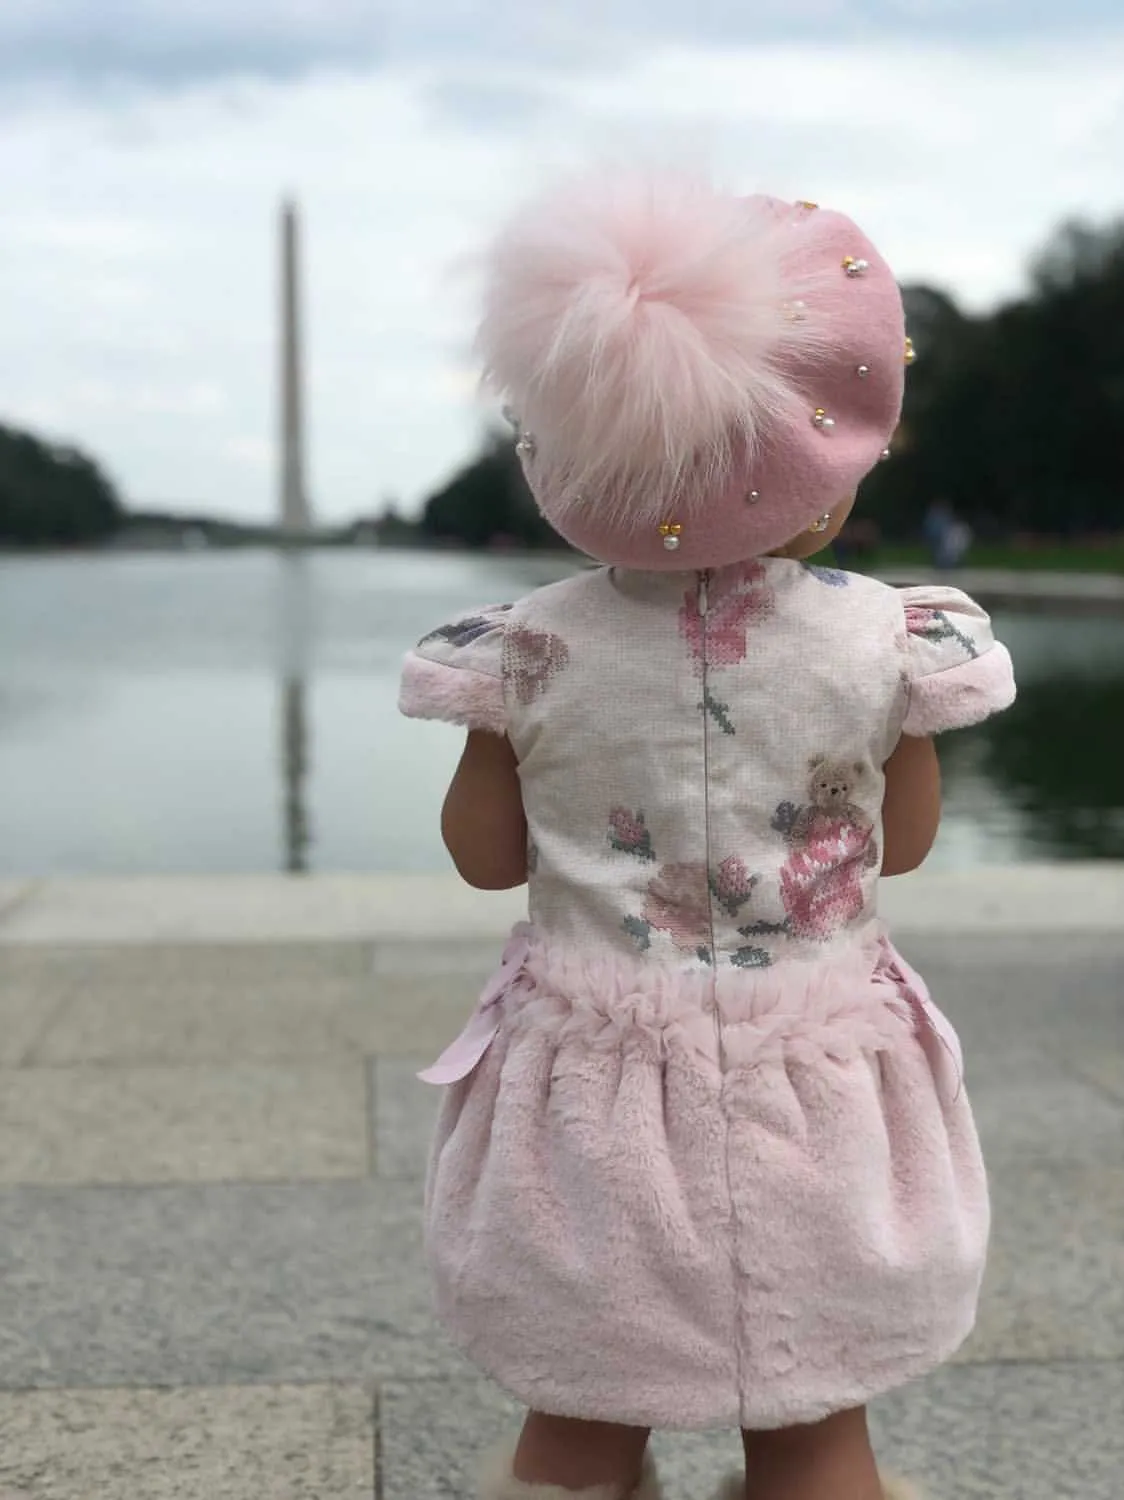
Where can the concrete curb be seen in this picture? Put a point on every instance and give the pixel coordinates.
(1024, 592)
(440, 909)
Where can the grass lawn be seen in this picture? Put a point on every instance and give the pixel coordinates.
(1048, 558)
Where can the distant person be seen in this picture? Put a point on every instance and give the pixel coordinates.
(946, 536)
(705, 1157)
(957, 543)
(857, 540)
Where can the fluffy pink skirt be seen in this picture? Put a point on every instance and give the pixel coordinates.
(655, 1204)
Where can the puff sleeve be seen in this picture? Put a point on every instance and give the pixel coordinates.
(957, 672)
(456, 672)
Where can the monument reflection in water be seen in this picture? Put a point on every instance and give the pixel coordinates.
(294, 634)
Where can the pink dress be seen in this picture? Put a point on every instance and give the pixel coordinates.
(705, 1157)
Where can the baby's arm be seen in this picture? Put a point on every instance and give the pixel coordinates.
(956, 674)
(911, 807)
(482, 822)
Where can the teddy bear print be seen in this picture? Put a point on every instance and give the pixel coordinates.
(832, 843)
(831, 784)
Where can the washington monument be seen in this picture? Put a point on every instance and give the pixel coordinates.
(295, 518)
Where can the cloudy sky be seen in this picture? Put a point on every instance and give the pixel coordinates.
(145, 146)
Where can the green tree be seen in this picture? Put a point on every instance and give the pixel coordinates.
(489, 503)
(1017, 417)
(53, 495)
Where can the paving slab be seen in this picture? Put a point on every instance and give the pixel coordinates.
(1102, 1066)
(72, 966)
(214, 1124)
(434, 1434)
(1047, 1118)
(468, 956)
(1031, 899)
(245, 908)
(224, 1443)
(321, 1281)
(279, 1038)
(1037, 900)
(405, 1114)
(214, 1285)
(1003, 998)
(1004, 992)
(1009, 1432)
(12, 892)
(274, 1020)
(991, 1432)
(1024, 1111)
(1055, 1278)
(24, 1015)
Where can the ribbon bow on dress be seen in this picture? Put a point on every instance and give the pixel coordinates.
(932, 1023)
(460, 1057)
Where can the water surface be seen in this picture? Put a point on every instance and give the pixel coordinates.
(236, 712)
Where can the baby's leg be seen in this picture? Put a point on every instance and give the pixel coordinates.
(572, 1455)
(831, 1460)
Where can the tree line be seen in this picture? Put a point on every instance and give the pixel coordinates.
(1015, 418)
(53, 495)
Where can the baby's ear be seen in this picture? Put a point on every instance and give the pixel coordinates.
(859, 768)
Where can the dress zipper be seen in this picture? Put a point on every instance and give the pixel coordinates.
(704, 611)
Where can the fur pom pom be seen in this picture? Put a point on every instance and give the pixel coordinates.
(642, 327)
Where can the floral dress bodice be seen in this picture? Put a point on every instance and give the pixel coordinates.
(701, 754)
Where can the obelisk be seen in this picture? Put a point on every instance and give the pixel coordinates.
(295, 519)
(294, 632)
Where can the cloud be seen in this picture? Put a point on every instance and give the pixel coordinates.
(154, 43)
(138, 302)
(159, 43)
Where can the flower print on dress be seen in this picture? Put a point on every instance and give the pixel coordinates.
(464, 632)
(732, 885)
(639, 929)
(822, 884)
(531, 659)
(835, 578)
(738, 599)
(679, 904)
(719, 712)
(751, 957)
(934, 625)
(629, 834)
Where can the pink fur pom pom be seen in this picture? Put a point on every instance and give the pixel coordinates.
(642, 328)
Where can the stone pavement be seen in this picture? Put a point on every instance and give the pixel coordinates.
(211, 1152)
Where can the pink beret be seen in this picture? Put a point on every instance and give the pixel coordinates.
(697, 376)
